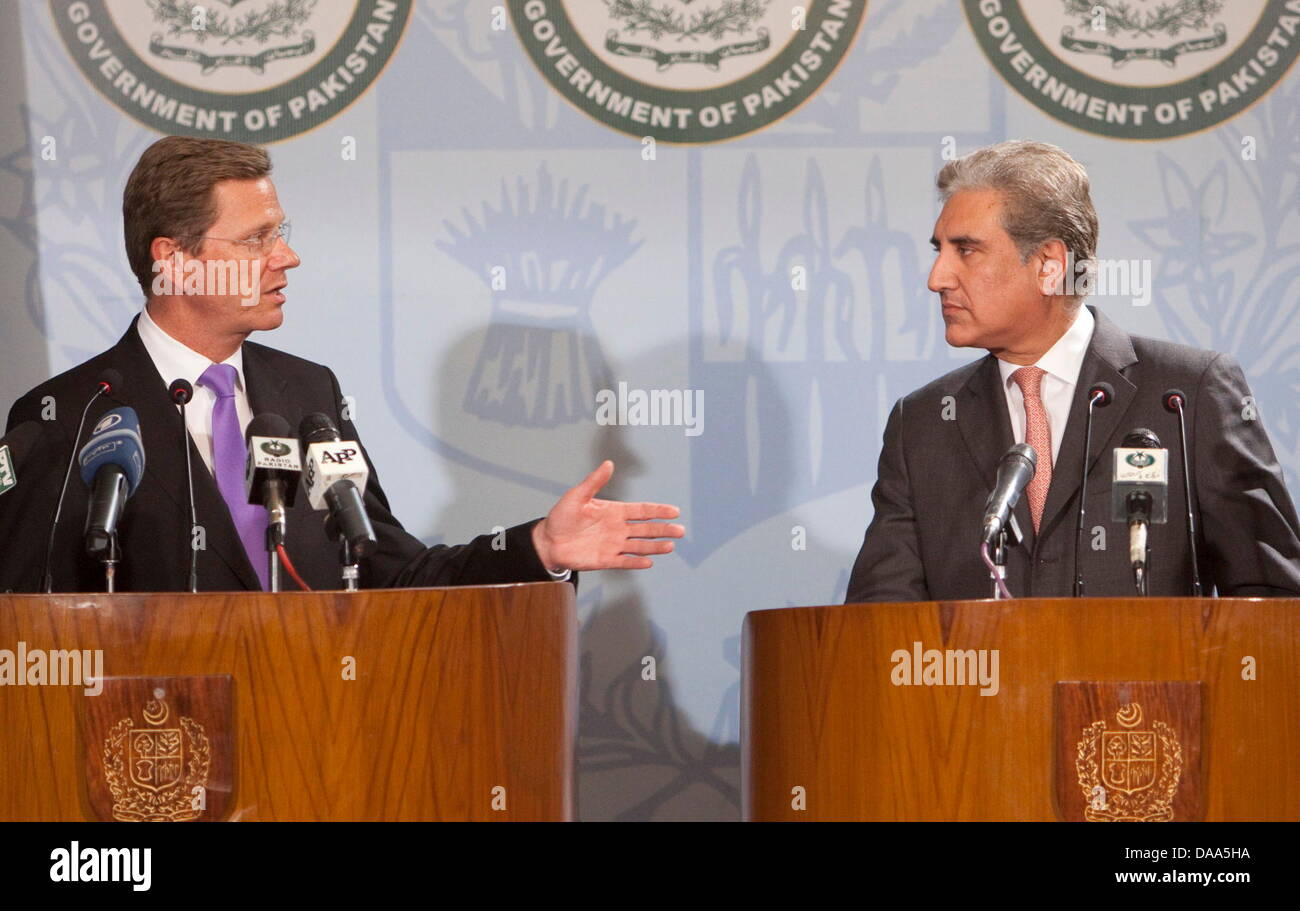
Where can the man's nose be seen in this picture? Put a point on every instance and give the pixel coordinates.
(282, 257)
(941, 277)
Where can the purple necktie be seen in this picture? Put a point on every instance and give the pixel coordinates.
(229, 455)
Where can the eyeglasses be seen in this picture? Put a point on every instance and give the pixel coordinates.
(258, 243)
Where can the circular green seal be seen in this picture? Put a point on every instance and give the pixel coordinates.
(687, 71)
(1139, 70)
(248, 70)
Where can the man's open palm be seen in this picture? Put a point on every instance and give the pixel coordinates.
(582, 532)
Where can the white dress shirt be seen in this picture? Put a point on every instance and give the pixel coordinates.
(174, 361)
(1063, 361)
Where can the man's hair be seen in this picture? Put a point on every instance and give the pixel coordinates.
(169, 193)
(1045, 194)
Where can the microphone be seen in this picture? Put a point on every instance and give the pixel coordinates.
(1015, 471)
(1174, 400)
(271, 481)
(1140, 495)
(273, 467)
(112, 464)
(1099, 396)
(109, 382)
(15, 448)
(181, 392)
(335, 477)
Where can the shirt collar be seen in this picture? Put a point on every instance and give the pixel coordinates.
(175, 360)
(1063, 360)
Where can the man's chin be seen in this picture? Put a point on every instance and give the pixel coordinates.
(266, 316)
(958, 337)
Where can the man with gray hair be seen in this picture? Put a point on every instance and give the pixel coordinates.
(1017, 223)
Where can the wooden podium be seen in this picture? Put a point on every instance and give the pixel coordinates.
(1102, 709)
(411, 704)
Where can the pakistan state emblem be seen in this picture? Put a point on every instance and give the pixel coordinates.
(155, 769)
(687, 71)
(1139, 69)
(250, 70)
(1129, 774)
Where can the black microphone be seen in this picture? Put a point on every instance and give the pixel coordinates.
(1140, 495)
(110, 382)
(1174, 400)
(112, 465)
(335, 475)
(271, 481)
(273, 467)
(1015, 471)
(181, 391)
(1099, 396)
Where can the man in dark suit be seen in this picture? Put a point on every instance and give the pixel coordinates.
(1016, 217)
(193, 204)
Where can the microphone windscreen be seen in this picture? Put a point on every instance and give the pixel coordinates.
(267, 425)
(181, 391)
(317, 428)
(1107, 393)
(112, 380)
(1173, 400)
(115, 441)
(1024, 451)
(1141, 438)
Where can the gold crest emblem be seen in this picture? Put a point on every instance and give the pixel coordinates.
(154, 772)
(1129, 775)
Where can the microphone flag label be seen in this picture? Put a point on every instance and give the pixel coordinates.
(8, 477)
(274, 454)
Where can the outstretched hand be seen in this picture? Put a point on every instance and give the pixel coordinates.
(581, 532)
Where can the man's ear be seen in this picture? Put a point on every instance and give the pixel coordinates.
(168, 267)
(1053, 266)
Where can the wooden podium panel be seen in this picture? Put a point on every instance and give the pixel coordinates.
(411, 704)
(822, 713)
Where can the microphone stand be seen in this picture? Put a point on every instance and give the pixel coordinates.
(1083, 496)
(349, 569)
(110, 557)
(1009, 535)
(275, 532)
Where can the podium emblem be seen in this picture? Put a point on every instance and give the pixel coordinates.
(154, 770)
(1135, 770)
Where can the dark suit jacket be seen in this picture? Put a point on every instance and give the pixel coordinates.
(154, 530)
(935, 475)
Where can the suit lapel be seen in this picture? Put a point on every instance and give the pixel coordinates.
(266, 387)
(161, 430)
(1109, 352)
(985, 425)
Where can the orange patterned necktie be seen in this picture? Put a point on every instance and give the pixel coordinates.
(1038, 434)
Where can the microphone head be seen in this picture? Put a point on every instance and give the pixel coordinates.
(267, 424)
(110, 382)
(1141, 438)
(1106, 391)
(181, 391)
(115, 441)
(317, 428)
(1024, 451)
(1174, 400)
